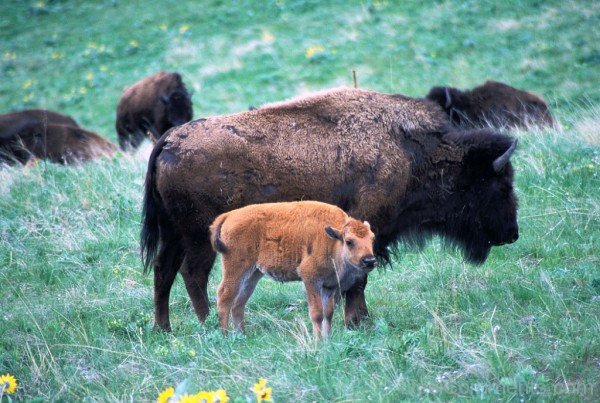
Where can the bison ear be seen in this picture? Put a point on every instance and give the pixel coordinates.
(366, 224)
(164, 99)
(333, 233)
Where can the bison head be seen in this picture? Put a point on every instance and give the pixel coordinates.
(178, 106)
(452, 100)
(483, 208)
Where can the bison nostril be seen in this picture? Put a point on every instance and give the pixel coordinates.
(369, 261)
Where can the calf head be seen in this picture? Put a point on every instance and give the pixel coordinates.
(356, 244)
(178, 106)
(482, 211)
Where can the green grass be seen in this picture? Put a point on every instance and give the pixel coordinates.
(76, 312)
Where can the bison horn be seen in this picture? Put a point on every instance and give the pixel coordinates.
(501, 161)
(448, 98)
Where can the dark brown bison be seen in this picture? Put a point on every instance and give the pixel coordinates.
(492, 104)
(151, 107)
(11, 123)
(60, 143)
(388, 159)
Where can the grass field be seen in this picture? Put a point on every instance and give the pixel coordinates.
(76, 311)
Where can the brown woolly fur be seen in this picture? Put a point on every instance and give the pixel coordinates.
(151, 107)
(61, 143)
(310, 241)
(394, 161)
(492, 104)
(12, 123)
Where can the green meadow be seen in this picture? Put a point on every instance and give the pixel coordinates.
(76, 312)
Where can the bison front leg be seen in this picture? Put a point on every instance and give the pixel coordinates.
(315, 307)
(329, 298)
(356, 305)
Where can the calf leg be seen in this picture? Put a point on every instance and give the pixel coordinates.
(229, 289)
(246, 289)
(356, 305)
(329, 299)
(199, 259)
(315, 307)
(166, 266)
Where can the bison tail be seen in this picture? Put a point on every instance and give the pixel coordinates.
(152, 209)
(215, 235)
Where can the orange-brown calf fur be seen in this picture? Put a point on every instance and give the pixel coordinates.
(310, 241)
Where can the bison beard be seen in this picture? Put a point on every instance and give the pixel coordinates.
(389, 159)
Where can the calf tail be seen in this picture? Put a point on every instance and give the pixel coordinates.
(215, 235)
(152, 209)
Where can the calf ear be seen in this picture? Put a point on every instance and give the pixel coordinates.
(333, 233)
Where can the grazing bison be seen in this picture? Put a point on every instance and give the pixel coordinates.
(152, 105)
(13, 122)
(310, 241)
(492, 104)
(60, 143)
(388, 159)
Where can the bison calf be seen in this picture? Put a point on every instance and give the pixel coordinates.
(310, 241)
(492, 104)
(152, 106)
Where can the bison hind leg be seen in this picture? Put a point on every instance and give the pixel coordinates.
(246, 289)
(198, 262)
(166, 265)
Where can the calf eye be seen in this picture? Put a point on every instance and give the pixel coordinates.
(350, 243)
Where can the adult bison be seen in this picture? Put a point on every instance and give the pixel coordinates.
(11, 123)
(492, 104)
(388, 159)
(59, 143)
(152, 106)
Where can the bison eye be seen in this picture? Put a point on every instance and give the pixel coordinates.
(350, 243)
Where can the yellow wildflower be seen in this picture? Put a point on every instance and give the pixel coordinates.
(82, 90)
(92, 45)
(192, 353)
(8, 383)
(312, 51)
(205, 397)
(57, 55)
(28, 97)
(221, 396)
(27, 84)
(102, 48)
(267, 36)
(103, 68)
(40, 4)
(165, 395)
(188, 399)
(133, 43)
(89, 76)
(261, 392)
(184, 28)
(163, 27)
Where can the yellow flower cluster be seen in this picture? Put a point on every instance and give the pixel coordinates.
(312, 51)
(218, 395)
(261, 392)
(183, 29)
(8, 384)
